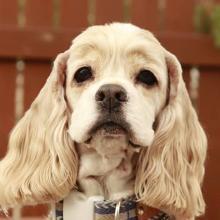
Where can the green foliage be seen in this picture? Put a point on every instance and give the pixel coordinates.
(207, 20)
(202, 19)
(215, 18)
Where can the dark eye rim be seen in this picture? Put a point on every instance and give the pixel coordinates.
(78, 70)
(155, 80)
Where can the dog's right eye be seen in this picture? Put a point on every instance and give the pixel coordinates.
(83, 74)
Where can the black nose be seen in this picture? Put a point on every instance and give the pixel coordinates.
(111, 97)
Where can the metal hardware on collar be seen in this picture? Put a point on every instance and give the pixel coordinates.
(140, 211)
(117, 210)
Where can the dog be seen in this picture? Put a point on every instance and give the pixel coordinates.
(113, 119)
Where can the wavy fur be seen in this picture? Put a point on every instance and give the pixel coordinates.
(170, 172)
(41, 163)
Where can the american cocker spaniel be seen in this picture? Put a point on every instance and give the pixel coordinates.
(113, 124)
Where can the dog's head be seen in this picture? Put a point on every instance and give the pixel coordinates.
(115, 87)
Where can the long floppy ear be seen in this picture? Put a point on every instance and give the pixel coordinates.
(170, 171)
(41, 163)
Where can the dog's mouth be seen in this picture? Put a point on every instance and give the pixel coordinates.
(111, 129)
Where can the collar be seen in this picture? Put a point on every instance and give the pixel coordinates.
(125, 209)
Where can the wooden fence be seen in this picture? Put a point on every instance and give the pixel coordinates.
(32, 32)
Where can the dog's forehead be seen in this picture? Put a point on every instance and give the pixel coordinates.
(118, 30)
(117, 37)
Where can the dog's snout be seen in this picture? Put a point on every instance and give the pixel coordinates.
(111, 96)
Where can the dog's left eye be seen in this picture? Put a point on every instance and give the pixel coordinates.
(147, 77)
(83, 74)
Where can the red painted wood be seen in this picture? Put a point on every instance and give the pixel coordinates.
(145, 14)
(7, 92)
(109, 11)
(186, 76)
(73, 14)
(43, 43)
(40, 211)
(36, 73)
(179, 16)
(39, 13)
(209, 108)
(196, 49)
(8, 12)
(191, 49)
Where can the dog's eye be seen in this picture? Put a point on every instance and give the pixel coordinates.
(147, 77)
(83, 74)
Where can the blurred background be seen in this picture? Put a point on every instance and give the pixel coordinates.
(32, 32)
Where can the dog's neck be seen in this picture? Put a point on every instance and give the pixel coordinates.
(109, 175)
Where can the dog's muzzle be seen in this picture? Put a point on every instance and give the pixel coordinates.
(110, 99)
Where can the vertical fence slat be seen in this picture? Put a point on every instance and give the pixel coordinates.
(179, 16)
(7, 90)
(186, 76)
(145, 14)
(8, 16)
(209, 108)
(73, 14)
(36, 74)
(109, 11)
(8, 12)
(39, 13)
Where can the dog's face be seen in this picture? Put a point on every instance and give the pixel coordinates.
(116, 86)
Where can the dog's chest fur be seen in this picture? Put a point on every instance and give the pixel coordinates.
(109, 175)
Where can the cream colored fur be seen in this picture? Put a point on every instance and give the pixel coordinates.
(47, 152)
